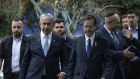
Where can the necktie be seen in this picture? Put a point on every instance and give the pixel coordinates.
(89, 48)
(116, 41)
(45, 47)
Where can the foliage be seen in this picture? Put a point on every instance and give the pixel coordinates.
(78, 8)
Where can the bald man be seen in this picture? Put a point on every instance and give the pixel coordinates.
(116, 43)
(43, 54)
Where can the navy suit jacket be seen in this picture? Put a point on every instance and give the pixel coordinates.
(97, 65)
(6, 54)
(117, 54)
(34, 60)
(69, 43)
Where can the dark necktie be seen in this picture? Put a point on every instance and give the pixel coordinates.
(89, 48)
(115, 39)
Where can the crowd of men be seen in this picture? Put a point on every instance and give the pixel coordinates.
(107, 52)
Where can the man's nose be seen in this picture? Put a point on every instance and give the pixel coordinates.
(16, 28)
(45, 26)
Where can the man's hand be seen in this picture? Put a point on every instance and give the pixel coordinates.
(102, 78)
(127, 33)
(61, 75)
(127, 53)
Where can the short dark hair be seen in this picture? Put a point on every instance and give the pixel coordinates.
(89, 17)
(124, 16)
(58, 21)
(131, 12)
(17, 19)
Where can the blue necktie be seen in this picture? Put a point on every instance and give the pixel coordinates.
(115, 39)
(89, 48)
(45, 48)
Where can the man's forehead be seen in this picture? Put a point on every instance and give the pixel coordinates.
(132, 14)
(16, 23)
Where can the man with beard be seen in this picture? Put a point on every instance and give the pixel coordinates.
(60, 29)
(134, 28)
(12, 50)
(125, 23)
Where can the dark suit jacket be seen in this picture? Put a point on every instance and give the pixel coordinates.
(92, 67)
(135, 42)
(69, 43)
(134, 66)
(6, 54)
(34, 60)
(117, 54)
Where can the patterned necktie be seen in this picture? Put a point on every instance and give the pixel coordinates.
(45, 47)
(89, 48)
(115, 39)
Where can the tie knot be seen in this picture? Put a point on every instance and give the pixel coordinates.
(46, 37)
(89, 40)
(113, 34)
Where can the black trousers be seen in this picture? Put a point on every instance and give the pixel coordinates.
(15, 75)
(44, 77)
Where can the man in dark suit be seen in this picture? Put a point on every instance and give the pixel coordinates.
(116, 43)
(134, 28)
(133, 41)
(90, 58)
(12, 50)
(59, 28)
(45, 50)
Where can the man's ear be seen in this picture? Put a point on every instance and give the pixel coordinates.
(39, 24)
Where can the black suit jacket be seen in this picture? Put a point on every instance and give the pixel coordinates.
(6, 54)
(117, 54)
(35, 61)
(69, 43)
(97, 65)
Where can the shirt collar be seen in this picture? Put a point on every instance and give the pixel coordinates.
(43, 35)
(131, 29)
(107, 30)
(92, 37)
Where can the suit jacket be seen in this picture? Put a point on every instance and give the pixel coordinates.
(6, 54)
(134, 66)
(69, 43)
(117, 54)
(35, 61)
(97, 65)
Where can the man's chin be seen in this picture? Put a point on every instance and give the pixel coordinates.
(17, 35)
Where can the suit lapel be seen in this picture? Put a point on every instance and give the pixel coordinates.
(22, 47)
(38, 43)
(53, 43)
(138, 32)
(93, 53)
(108, 36)
(83, 47)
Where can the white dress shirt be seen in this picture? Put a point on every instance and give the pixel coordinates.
(43, 40)
(134, 32)
(42, 36)
(16, 54)
(91, 38)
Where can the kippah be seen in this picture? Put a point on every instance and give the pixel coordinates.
(110, 14)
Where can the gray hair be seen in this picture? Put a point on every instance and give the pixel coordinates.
(48, 14)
